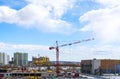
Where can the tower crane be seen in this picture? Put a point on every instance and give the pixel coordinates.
(57, 51)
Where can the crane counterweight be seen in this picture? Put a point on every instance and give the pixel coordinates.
(50, 48)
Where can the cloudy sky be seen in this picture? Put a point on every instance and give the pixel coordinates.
(34, 25)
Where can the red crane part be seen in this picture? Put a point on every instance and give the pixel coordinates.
(57, 51)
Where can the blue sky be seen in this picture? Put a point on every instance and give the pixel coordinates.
(34, 25)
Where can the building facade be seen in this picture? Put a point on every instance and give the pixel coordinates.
(86, 66)
(20, 59)
(96, 64)
(4, 58)
(100, 66)
(110, 66)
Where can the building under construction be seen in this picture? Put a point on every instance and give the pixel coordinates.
(100, 66)
(41, 61)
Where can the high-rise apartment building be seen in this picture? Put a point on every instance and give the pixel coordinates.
(4, 58)
(20, 59)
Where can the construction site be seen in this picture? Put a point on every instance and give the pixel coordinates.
(42, 67)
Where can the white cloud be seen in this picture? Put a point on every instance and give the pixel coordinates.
(109, 3)
(103, 22)
(32, 50)
(68, 53)
(23, 47)
(57, 7)
(44, 15)
(7, 14)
